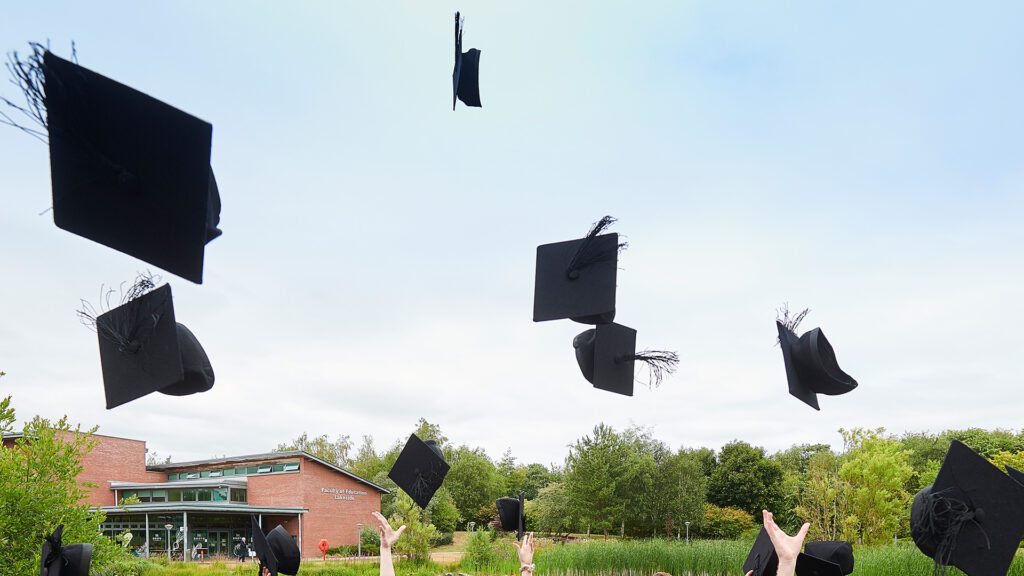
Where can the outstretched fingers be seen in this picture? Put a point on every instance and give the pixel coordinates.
(399, 531)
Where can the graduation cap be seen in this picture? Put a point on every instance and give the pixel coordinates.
(512, 514)
(1015, 474)
(811, 365)
(807, 565)
(285, 550)
(264, 553)
(466, 76)
(60, 560)
(607, 354)
(576, 279)
(419, 470)
(822, 552)
(143, 349)
(127, 171)
(972, 517)
(762, 559)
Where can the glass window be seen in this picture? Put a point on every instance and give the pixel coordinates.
(127, 494)
(204, 474)
(263, 469)
(144, 495)
(159, 496)
(291, 466)
(278, 467)
(193, 475)
(253, 469)
(172, 476)
(238, 494)
(188, 495)
(205, 495)
(174, 495)
(216, 474)
(241, 471)
(220, 495)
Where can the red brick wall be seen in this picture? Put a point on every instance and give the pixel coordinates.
(114, 459)
(329, 517)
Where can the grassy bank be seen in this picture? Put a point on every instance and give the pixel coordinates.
(639, 558)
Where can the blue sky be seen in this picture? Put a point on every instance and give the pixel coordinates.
(861, 159)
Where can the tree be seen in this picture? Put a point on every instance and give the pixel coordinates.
(746, 479)
(415, 541)
(367, 462)
(154, 459)
(442, 511)
(1003, 458)
(535, 478)
(706, 458)
(334, 451)
(596, 472)
(474, 483)
(39, 490)
(553, 510)
(427, 431)
(725, 523)
(876, 469)
(822, 497)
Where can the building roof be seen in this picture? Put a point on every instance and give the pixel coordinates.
(266, 456)
(227, 481)
(203, 507)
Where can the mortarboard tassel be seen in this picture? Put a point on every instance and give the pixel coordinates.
(944, 516)
(659, 364)
(791, 323)
(128, 332)
(586, 255)
(29, 75)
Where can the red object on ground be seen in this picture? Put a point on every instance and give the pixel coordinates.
(323, 547)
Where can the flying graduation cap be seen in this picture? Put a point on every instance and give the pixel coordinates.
(144, 350)
(512, 514)
(811, 365)
(127, 170)
(264, 554)
(972, 517)
(576, 279)
(419, 470)
(762, 559)
(825, 558)
(466, 76)
(607, 356)
(60, 560)
(285, 551)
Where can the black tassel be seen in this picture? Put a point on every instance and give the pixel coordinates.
(791, 322)
(586, 254)
(122, 330)
(945, 517)
(659, 364)
(30, 77)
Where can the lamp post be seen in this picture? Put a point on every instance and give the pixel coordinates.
(169, 527)
(687, 532)
(359, 540)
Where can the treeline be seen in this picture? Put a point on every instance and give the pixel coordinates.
(629, 483)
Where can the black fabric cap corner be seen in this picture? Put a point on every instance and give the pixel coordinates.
(762, 559)
(835, 551)
(419, 470)
(811, 366)
(264, 553)
(807, 565)
(576, 279)
(59, 560)
(285, 551)
(128, 171)
(605, 356)
(466, 75)
(972, 517)
(143, 350)
(512, 514)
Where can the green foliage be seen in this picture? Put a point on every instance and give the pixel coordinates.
(39, 490)
(821, 500)
(474, 484)
(597, 474)
(1004, 458)
(724, 523)
(442, 511)
(876, 469)
(334, 451)
(746, 479)
(553, 510)
(415, 541)
(480, 552)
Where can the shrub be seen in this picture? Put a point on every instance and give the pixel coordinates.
(726, 523)
(442, 539)
(480, 553)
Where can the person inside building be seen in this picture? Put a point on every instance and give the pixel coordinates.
(241, 551)
(388, 537)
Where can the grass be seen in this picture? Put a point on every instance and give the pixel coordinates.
(599, 558)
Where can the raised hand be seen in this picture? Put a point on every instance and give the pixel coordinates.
(525, 551)
(387, 536)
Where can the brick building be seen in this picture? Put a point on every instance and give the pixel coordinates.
(209, 502)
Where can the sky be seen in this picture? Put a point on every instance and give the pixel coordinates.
(863, 160)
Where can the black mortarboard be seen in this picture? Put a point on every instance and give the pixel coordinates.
(607, 355)
(576, 279)
(264, 553)
(1015, 474)
(143, 349)
(512, 514)
(834, 551)
(129, 171)
(811, 366)
(466, 76)
(762, 560)
(285, 550)
(972, 517)
(60, 560)
(419, 470)
(807, 565)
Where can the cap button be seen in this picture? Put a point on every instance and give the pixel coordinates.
(979, 515)
(573, 274)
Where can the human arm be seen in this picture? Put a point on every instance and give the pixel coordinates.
(387, 539)
(786, 547)
(525, 551)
